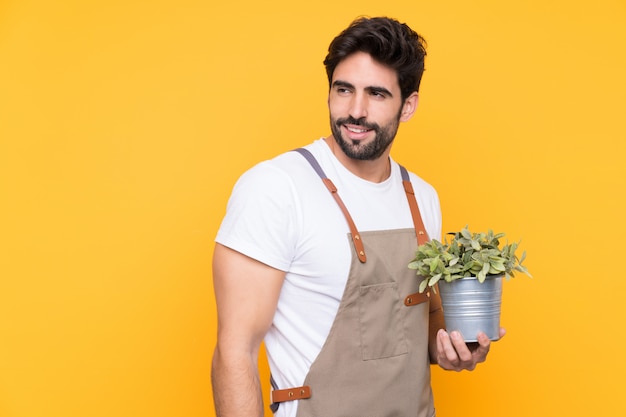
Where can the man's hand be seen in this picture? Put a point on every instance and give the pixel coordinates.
(455, 355)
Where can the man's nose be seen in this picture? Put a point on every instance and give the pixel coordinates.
(358, 106)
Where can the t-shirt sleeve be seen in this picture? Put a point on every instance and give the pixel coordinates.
(260, 220)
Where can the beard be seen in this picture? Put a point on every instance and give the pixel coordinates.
(369, 151)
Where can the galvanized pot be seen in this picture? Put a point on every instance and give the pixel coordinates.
(470, 306)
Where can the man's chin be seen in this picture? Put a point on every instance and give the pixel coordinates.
(357, 151)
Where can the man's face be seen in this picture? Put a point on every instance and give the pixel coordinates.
(365, 106)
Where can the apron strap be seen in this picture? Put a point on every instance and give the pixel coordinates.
(278, 396)
(356, 237)
(420, 230)
(273, 405)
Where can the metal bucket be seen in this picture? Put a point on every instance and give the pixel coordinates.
(471, 307)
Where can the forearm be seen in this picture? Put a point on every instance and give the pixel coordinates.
(436, 321)
(236, 386)
(246, 293)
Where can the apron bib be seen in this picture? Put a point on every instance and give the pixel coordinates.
(375, 360)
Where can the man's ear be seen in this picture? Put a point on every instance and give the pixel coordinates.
(409, 107)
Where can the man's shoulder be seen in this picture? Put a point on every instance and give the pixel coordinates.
(420, 185)
(288, 168)
(287, 163)
(291, 157)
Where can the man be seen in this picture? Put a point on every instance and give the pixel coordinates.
(312, 256)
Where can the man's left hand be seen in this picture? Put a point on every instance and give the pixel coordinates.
(456, 355)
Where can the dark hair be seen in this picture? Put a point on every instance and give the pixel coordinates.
(389, 42)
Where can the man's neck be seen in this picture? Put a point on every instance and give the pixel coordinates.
(377, 170)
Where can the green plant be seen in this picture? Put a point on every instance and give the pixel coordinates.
(466, 255)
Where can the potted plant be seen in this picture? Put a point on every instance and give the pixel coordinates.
(468, 271)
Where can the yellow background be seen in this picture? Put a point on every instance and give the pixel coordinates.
(124, 124)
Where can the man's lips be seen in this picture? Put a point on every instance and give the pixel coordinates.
(355, 131)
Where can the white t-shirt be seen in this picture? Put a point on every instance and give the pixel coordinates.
(281, 214)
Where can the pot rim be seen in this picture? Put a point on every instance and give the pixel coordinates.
(472, 278)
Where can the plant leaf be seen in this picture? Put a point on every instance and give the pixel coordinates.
(483, 272)
(433, 280)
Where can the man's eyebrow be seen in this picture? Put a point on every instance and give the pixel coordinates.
(380, 90)
(339, 83)
(370, 89)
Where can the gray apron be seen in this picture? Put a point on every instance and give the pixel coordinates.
(375, 360)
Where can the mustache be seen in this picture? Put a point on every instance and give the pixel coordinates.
(357, 122)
